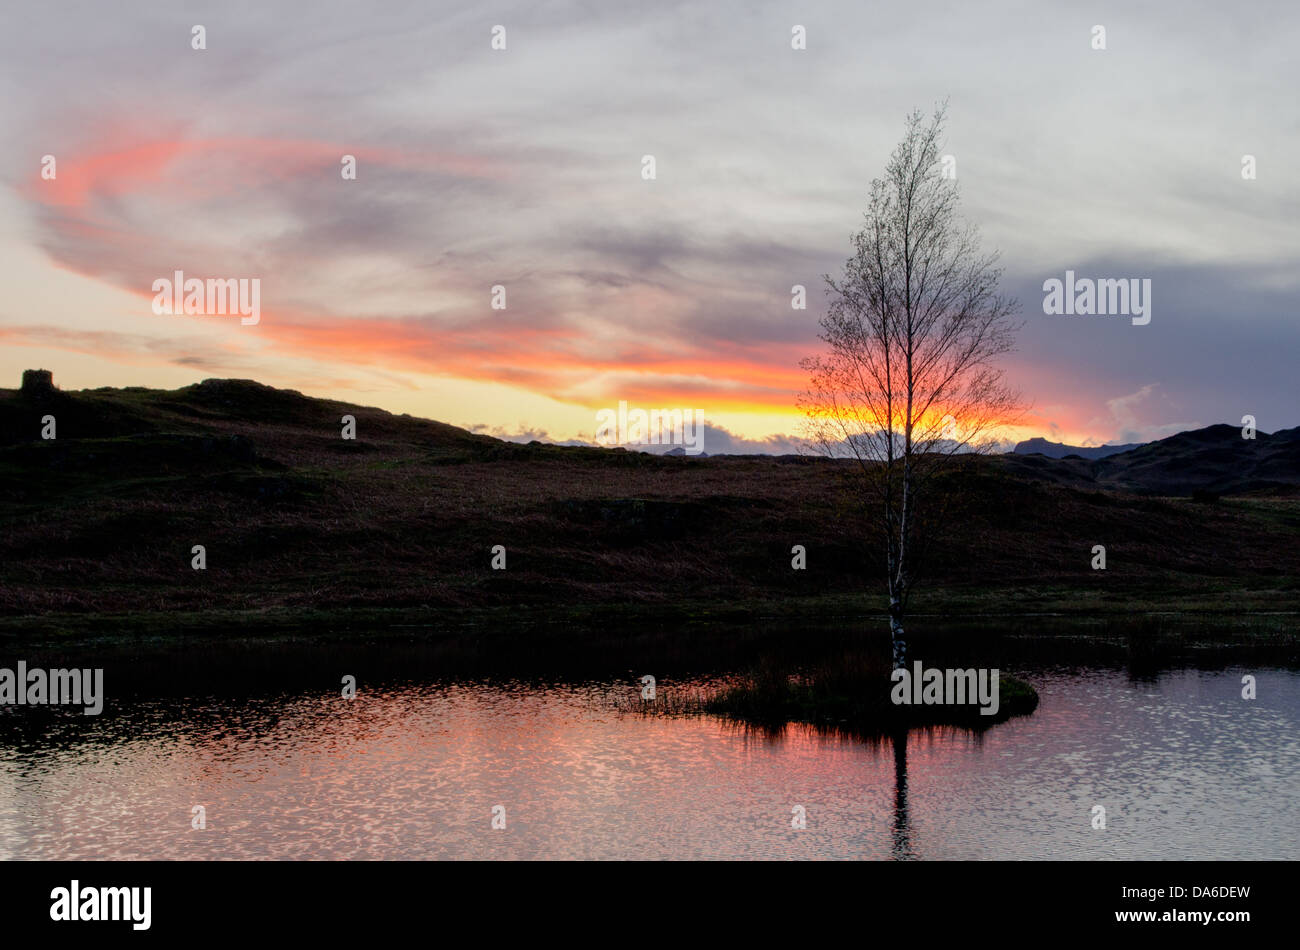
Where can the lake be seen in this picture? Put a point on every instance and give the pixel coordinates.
(414, 767)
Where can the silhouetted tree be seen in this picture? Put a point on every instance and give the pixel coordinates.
(914, 328)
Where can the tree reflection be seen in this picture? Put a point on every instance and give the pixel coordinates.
(901, 848)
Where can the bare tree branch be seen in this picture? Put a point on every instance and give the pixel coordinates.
(914, 331)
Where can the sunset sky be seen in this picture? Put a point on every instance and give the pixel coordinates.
(522, 167)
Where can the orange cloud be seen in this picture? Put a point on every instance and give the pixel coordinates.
(564, 362)
(82, 179)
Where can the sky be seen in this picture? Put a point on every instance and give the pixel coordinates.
(523, 168)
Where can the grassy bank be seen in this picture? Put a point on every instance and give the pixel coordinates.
(306, 531)
(1221, 605)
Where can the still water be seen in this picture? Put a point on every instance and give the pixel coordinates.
(1184, 767)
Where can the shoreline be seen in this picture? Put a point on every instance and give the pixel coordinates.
(583, 641)
(1014, 605)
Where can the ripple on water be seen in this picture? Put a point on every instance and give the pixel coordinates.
(1182, 766)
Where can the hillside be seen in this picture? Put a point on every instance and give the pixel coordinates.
(295, 520)
(1212, 461)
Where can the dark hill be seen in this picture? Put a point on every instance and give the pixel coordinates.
(298, 522)
(1215, 459)
(1059, 450)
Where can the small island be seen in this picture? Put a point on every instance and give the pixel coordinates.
(856, 698)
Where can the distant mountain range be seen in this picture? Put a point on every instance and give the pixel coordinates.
(1215, 460)
(1059, 450)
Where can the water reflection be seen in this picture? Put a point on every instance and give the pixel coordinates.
(1184, 767)
(902, 847)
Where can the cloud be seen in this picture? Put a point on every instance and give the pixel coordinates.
(715, 440)
(1127, 416)
(522, 168)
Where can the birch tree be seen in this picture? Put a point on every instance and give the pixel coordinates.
(909, 382)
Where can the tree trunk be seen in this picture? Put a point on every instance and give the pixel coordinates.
(896, 631)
